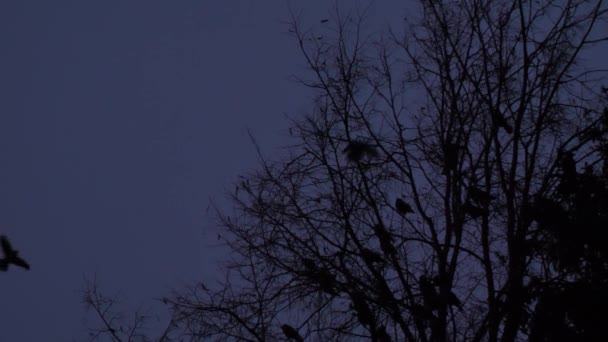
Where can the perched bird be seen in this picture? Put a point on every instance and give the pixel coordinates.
(371, 256)
(327, 281)
(434, 299)
(385, 294)
(500, 121)
(291, 333)
(364, 314)
(11, 256)
(453, 300)
(450, 157)
(480, 196)
(311, 266)
(568, 164)
(386, 240)
(429, 294)
(569, 178)
(474, 211)
(382, 335)
(321, 276)
(402, 207)
(423, 312)
(356, 150)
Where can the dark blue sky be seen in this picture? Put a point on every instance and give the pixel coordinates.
(119, 120)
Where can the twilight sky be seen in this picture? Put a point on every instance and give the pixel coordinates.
(119, 120)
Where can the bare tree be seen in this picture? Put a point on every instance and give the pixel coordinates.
(112, 322)
(408, 209)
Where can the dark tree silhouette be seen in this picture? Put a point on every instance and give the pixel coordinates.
(478, 115)
(11, 256)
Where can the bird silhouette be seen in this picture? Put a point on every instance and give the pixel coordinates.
(432, 298)
(291, 333)
(480, 196)
(321, 276)
(382, 335)
(11, 256)
(356, 150)
(500, 121)
(402, 207)
(429, 294)
(452, 299)
(364, 314)
(569, 178)
(386, 240)
(474, 211)
(371, 256)
(324, 21)
(450, 157)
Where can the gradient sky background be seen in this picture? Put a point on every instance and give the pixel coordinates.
(119, 121)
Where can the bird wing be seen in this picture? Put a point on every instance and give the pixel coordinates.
(6, 245)
(20, 262)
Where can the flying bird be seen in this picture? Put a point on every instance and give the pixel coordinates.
(324, 21)
(11, 256)
(402, 207)
(291, 333)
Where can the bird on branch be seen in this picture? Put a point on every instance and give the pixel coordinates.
(291, 333)
(321, 276)
(386, 240)
(371, 256)
(450, 157)
(382, 335)
(480, 196)
(500, 121)
(364, 314)
(11, 256)
(474, 211)
(356, 150)
(402, 207)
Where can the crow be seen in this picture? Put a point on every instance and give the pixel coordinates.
(474, 211)
(371, 256)
(324, 21)
(11, 256)
(452, 299)
(429, 294)
(402, 207)
(320, 275)
(500, 121)
(356, 150)
(450, 157)
(362, 309)
(382, 335)
(480, 196)
(291, 333)
(386, 240)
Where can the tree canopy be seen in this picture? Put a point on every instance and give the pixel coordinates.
(450, 183)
